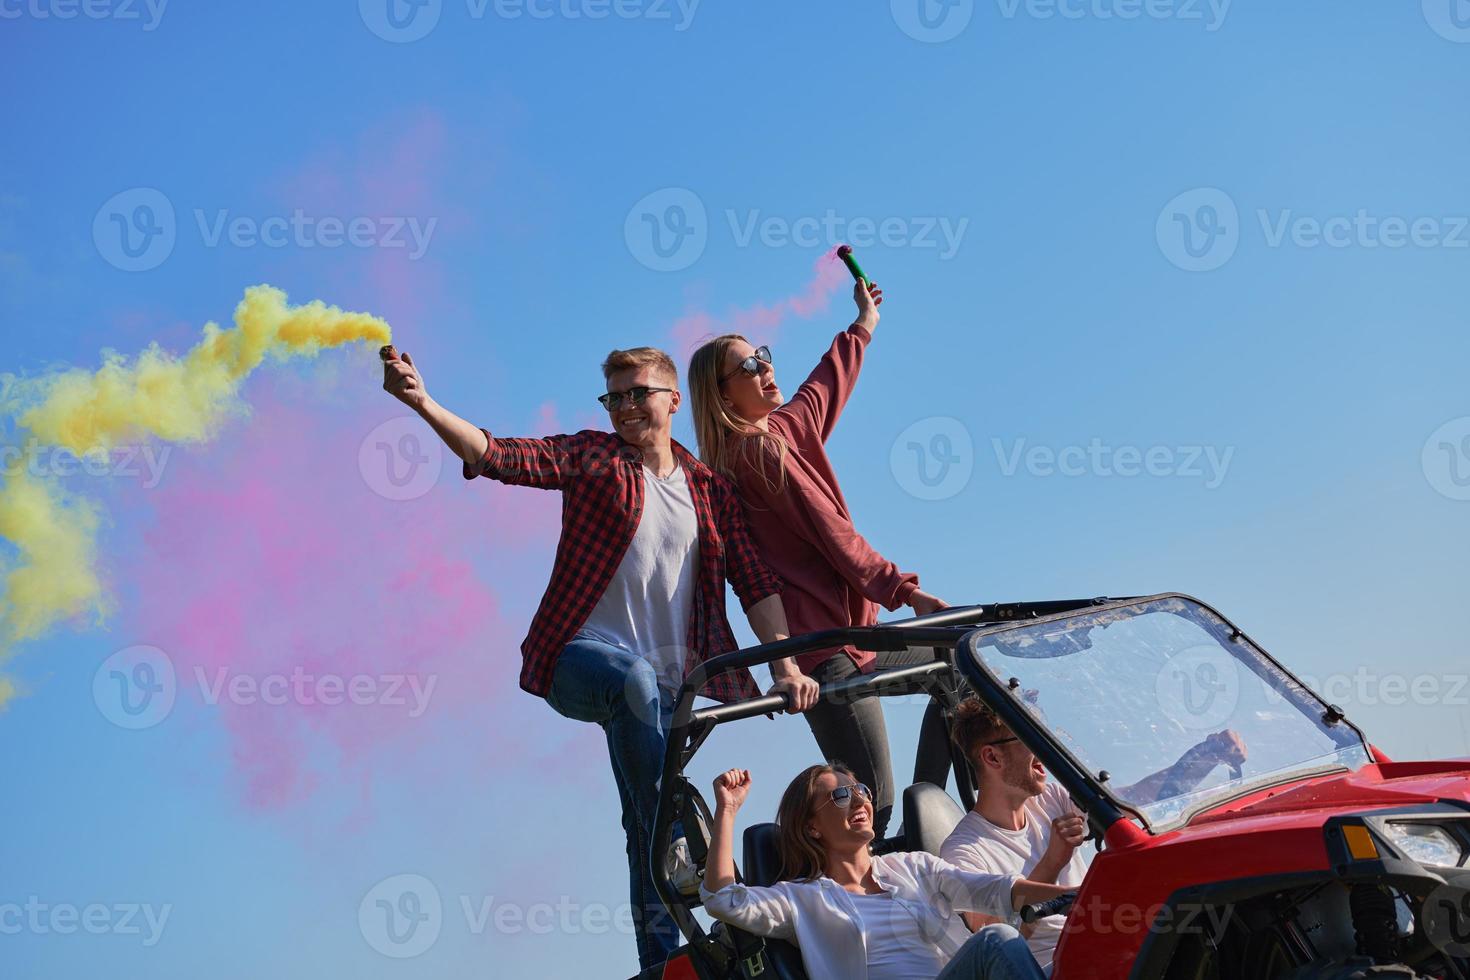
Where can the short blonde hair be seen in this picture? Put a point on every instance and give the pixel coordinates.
(638, 357)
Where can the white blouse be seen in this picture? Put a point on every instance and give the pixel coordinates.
(824, 921)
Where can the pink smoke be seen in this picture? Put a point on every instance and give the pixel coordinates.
(272, 554)
(763, 321)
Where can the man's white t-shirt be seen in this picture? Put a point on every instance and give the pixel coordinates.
(976, 844)
(647, 605)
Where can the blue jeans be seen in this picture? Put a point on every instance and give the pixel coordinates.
(601, 683)
(996, 952)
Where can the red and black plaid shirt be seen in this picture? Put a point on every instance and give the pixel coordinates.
(601, 480)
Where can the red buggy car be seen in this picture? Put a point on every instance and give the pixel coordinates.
(1318, 858)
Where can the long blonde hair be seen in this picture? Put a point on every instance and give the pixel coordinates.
(725, 439)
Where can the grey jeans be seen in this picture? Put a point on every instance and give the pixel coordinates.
(854, 734)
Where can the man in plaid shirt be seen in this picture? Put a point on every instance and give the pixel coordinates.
(636, 598)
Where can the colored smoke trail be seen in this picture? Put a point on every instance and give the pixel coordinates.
(762, 321)
(155, 395)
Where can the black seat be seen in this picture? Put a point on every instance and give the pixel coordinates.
(929, 816)
(762, 866)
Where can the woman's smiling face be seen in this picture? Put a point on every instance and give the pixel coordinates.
(752, 397)
(838, 828)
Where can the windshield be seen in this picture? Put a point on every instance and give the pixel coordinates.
(1157, 695)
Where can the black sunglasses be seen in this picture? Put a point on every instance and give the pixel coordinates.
(635, 395)
(752, 364)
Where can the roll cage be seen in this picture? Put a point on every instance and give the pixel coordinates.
(947, 685)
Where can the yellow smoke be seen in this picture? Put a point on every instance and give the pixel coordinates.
(156, 394)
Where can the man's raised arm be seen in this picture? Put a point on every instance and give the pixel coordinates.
(402, 380)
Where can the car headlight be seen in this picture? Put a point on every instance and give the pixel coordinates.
(1426, 843)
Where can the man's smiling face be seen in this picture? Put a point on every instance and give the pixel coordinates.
(651, 423)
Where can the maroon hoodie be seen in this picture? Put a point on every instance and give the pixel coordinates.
(831, 576)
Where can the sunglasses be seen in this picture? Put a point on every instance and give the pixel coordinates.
(842, 795)
(752, 364)
(1000, 741)
(637, 395)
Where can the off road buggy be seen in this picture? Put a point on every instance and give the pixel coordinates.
(1318, 858)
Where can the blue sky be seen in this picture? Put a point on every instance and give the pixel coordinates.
(1298, 374)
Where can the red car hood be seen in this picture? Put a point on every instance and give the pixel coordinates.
(1379, 785)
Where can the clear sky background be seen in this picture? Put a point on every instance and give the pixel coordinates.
(1175, 301)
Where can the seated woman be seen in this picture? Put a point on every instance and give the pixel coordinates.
(855, 915)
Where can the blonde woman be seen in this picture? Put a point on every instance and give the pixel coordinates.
(774, 450)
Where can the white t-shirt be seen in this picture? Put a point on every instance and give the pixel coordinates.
(647, 605)
(976, 844)
(897, 946)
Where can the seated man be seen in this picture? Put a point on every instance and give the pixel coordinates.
(1021, 824)
(1024, 825)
